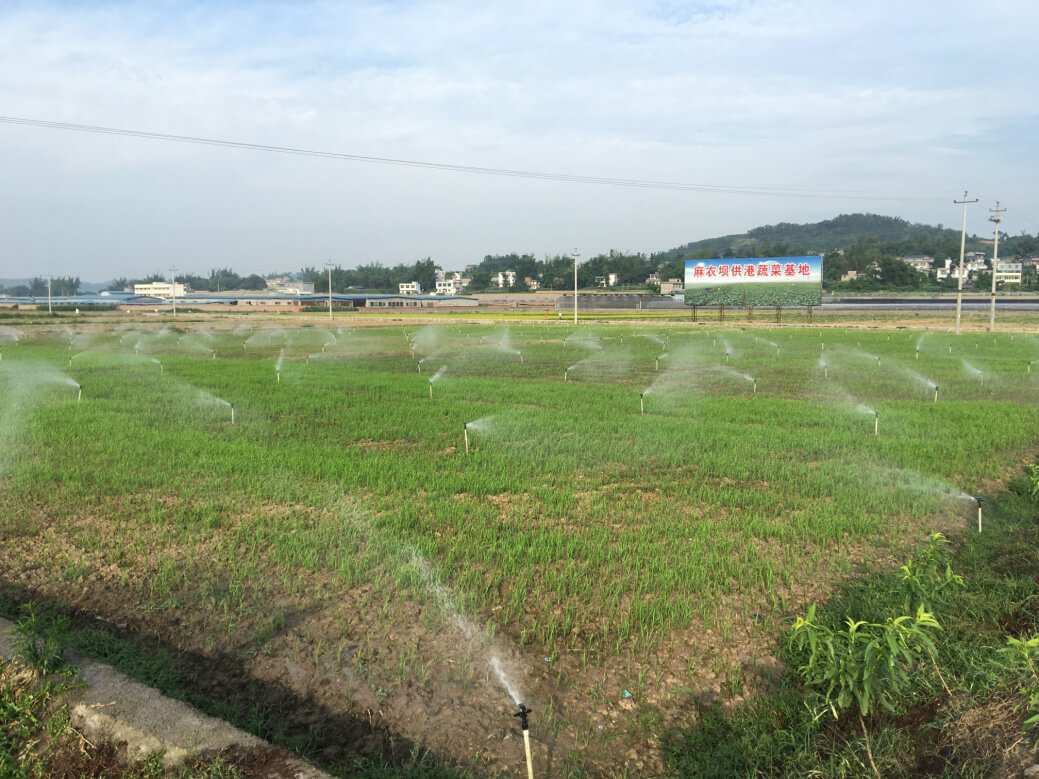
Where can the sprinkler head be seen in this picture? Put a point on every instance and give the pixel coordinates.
(523, 713)
(978, 500)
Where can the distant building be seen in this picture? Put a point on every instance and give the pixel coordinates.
(671, 287)
(440, 274)
(505, 278)
(1009, 272)
(410, 288)
(289, 287)
(653, 278)
(161, 289)
(850, 275)
(532, 283)
(920, 262)
(453, 285)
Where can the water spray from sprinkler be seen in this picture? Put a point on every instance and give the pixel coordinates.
(523, 713)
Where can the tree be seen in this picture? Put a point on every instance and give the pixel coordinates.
(893, 272)
(253, 282)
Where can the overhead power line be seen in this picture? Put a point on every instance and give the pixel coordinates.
(471, 169)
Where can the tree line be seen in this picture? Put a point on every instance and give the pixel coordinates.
(869, 244)
(61, 286)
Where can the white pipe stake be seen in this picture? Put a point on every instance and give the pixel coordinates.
(526, 748)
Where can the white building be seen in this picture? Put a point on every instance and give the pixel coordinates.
(532, 284)
(289, 287)
(410, 288)
(161, 289)
(920, 262)
(1008, 272)
(505, 278)
(451, 286)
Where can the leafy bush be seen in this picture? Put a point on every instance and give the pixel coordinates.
(1023, 655)
(41, 641)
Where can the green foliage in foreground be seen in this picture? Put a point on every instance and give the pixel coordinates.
(862, 663)
(781, 735)
(41, 642)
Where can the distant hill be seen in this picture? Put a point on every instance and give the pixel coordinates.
(832, 234)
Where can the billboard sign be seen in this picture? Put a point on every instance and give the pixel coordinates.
(754, 281)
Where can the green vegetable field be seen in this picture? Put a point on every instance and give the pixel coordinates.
(758, 294)
(641, 511)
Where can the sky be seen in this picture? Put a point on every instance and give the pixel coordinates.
(819, 108)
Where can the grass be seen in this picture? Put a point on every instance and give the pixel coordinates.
(578, 530)
(972, 729)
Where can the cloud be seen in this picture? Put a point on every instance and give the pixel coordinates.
(898, 100)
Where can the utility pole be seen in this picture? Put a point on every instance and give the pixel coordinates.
(963, 246)
(173, 275)
(576, 255)
(50, 311)
(997, 217)
(329, 266)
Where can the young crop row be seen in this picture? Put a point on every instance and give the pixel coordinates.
(576, 521)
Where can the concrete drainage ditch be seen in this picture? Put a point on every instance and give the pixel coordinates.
(111, 707)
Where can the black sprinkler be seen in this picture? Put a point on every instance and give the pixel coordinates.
(523, 713)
